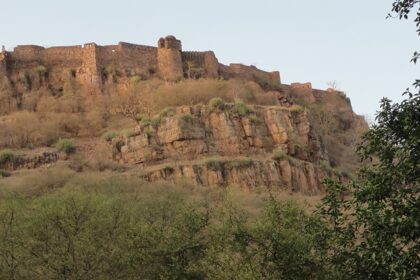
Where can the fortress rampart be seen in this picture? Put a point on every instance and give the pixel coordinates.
(93, 64)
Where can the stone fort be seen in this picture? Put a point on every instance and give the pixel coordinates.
(92, 64)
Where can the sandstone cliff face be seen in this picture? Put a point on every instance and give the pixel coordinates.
(224, 147)
(197, 131)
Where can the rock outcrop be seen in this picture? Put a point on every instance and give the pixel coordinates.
(29, 161)
(274, 146)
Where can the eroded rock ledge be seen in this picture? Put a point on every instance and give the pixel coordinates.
(270, 146)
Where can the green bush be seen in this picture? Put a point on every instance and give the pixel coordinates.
(109, 135)
(254, 119)
(155, 121)
(296, 108)
(168, 169)
(214, 165)
(241, 108)
(167, 112)
(7, 156)
(4, 173)
(41, 69)
(66, 145)
(279, 154)
(135, 79)
(239, 163)
(217, 103)
(186, 118)
(127, 132)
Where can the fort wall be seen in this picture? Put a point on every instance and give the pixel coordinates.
(30, 56)
(249, 72)
(203, 62)
(129, 56)
(93, 64)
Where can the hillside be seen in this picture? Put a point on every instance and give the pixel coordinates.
(165, 114)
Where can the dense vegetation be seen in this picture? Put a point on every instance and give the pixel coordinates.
(123, 228)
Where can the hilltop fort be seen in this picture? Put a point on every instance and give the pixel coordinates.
(92, 64)
(165, 114)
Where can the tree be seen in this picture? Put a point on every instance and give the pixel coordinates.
(374, 233)
(402, 9)
(135, 105)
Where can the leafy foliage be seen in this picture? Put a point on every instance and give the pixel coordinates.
(214, 165)
(66, 145)
(241, 108)
(113, 234)
(217, 103)
(375, 234)
(7, 156)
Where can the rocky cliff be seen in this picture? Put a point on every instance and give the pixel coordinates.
(276, 146)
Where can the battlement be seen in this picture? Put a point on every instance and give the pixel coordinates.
(170, 42)
(91, 62)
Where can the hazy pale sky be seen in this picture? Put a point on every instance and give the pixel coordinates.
(307, 41)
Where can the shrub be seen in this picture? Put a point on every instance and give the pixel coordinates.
(217, 103)
(186, 118)
(155, 121)
(296, 108)
(4, 173)
(168, 169)
(254, 119)
(66, 145)
(135, 79)
(167, 112)
(241, 108)
(279, 154)
(214, 165)
(7, 156)
(240, 163)
(109, 135)
(145, 121)
(325, 165)
(41, 69)
(127, 133)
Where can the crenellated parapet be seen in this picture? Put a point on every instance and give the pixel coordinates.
(95, 66)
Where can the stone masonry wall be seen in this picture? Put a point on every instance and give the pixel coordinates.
(205, 62)
(127, 57)
(89, 63)
(250, 72)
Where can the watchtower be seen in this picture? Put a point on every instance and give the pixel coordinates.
(3, 61)
(169, 58)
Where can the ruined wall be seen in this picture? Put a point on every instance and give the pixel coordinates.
(67, 57)
(250, 73)
(129, 59)
(201, 64)
(24, 57)
(302, 92)
(211, 64)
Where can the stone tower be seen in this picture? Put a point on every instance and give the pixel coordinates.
(91, 70)
(169, 58)
(3, 58)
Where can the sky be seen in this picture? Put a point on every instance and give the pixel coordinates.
(350, 42)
